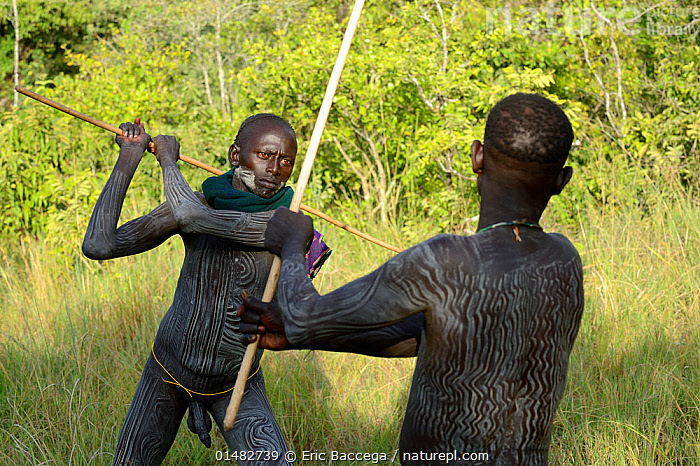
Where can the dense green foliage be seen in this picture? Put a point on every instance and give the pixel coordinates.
(419, 81)
(51, 28)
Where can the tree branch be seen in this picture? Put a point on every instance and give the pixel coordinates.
(15, 23)
(598, 78)
(616, 58)
(423, 97)
(348, 160)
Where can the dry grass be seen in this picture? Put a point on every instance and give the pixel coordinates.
(74, 335)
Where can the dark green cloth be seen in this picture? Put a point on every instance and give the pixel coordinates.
(222, 196)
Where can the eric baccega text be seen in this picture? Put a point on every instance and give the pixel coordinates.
(374, 458)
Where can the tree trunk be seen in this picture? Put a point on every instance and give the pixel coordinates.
(207, 88)
(220, 65)
(15, 14)
(364, 182)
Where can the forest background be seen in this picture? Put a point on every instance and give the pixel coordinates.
(394, 161)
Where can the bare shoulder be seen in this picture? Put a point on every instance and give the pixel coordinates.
(445, 251)
(563, 247)
(489, 251)
(445, 241)
(440, 248)
(440, 244)
(499, 250)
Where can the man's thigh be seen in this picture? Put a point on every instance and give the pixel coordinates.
(256, 429)
(152, 420)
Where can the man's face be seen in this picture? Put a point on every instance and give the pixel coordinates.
(265, 158)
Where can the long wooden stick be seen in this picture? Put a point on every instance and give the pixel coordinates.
(244, 370)
(199, 164)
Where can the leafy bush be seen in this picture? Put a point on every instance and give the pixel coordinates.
(416, 88)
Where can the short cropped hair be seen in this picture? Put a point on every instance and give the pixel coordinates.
(247, 124)
(529, 128)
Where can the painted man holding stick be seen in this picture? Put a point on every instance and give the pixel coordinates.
(197, 351)
(501, 309)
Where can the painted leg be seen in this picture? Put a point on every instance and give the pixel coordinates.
(256, 428)
(152, 420)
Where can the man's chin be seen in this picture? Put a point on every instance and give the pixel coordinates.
(266, 192)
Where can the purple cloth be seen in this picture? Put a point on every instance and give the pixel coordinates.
(317, 255)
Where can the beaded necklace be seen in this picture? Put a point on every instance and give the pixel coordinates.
(515, 224)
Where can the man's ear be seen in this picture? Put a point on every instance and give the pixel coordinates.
(562, 180)
(233, 153)
(477, 157)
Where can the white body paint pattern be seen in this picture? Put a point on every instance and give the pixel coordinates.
(247, 177)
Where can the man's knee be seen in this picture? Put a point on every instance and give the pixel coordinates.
(256, 428)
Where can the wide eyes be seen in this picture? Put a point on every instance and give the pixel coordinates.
(268, 155)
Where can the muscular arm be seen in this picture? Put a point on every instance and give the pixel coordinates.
(193, 215)
(103, 240)
(399, 289)
(398, 340)
(383, 298)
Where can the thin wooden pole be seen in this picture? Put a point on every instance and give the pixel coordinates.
(348, 228)
(199, 164)
(68, 110)
(303, 179)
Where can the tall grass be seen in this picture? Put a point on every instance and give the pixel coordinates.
(74, 335)
(633, 396)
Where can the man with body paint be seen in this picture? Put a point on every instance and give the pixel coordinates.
(197, 351)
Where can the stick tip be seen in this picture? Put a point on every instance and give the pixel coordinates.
(228, 423)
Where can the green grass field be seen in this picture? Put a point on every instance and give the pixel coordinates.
(74, 335)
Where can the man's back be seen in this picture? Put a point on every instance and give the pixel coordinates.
(499, 327)
(500, 318)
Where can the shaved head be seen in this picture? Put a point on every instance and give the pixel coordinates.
(253, 120)
(529, 128)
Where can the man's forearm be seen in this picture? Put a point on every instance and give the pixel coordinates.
(100, 237)
(103, 240)
(399, 339)
(393, 293)
(394, 341)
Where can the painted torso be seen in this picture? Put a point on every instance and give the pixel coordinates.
(500, 320)
(199, 330)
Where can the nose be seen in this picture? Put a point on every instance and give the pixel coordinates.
(273, 166)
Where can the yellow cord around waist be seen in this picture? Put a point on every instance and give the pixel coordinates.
(190, 392)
